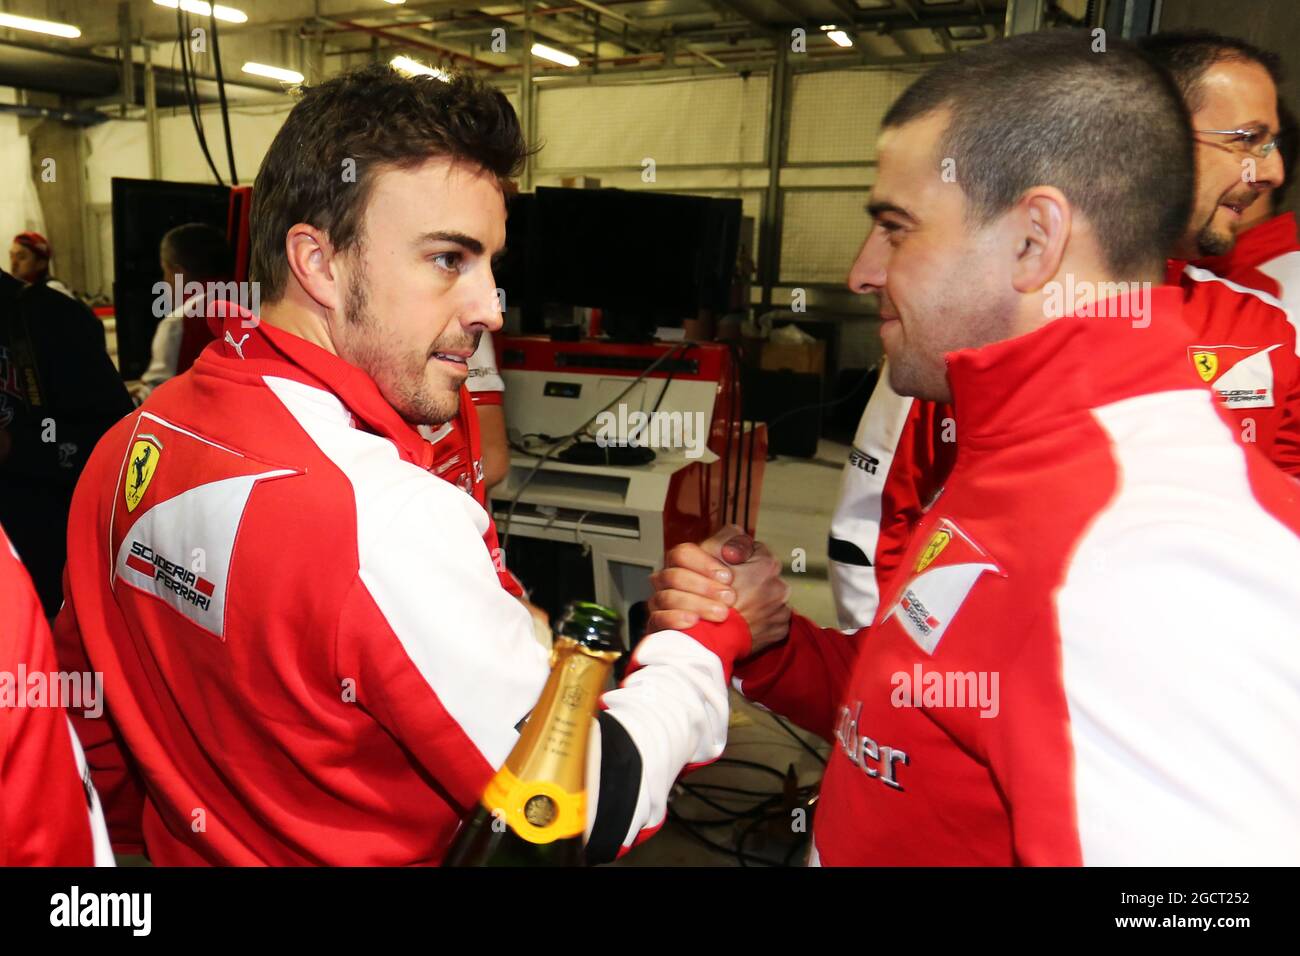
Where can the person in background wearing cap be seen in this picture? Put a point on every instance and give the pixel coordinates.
(29, 260)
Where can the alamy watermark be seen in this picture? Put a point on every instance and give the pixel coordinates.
(70, 690)
(638, 429)
(192, 298)
(946, 689)
(1087, 300)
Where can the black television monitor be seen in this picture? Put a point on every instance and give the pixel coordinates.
(650, 258)
(143, 211)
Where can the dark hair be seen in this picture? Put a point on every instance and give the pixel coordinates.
(374, 117)
(1187, 54)
(198, 249)
(1042, 109)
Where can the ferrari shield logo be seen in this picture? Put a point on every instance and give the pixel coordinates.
(933, 548)
(140, 468)
(1207, 365)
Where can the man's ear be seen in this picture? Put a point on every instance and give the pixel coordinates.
(1042, 218)
(311, 261)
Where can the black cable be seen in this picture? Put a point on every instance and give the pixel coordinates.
(740, 450)
(191, 95)
(745, 834)
(751, 764)
(752, 817)
(514, 501)
(735, 420)
(749, 475)
(731, 412)
(221, 93)
(725, 789)
(664, 391)
(719, 847)
(802, 743)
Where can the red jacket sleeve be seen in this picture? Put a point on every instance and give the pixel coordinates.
(44, 808)
(803, 677)
(121, 791)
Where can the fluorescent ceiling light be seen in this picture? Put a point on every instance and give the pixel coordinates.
(273, 72)
(394, 2)
(65, 30)
(555, 56)
(415, 68)
(840, 38)
(828, 26)
(204, 9)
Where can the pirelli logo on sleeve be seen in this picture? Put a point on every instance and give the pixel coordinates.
(1241, 375)
(862, 461)
(944, 568)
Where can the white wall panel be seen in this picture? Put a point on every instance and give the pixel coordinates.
(835, 115)
(821, 234)
(698, 122)
(20, 207)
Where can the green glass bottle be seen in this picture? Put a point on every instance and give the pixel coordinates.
(534, 810)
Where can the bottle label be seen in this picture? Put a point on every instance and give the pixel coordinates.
(539, 811)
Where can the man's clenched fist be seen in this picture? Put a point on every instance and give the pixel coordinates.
(730, 569)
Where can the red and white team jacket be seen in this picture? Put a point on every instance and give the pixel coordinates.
(1244, 346)
(308, 655)
(1087, 655)
(1265, 257)
(49, 812)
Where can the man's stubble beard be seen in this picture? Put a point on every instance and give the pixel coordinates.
(1209, 242)
(1212, 242)
(920, 371)
(399, 375)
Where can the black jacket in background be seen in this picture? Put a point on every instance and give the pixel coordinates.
(59, 393)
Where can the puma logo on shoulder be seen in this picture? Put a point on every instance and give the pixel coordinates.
(237, 346)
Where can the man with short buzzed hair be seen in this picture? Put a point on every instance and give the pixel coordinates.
(1245, 345)
(1064, 647)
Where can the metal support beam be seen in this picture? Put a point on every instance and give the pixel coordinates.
(770, 228)
(731, 6)
(1024, 16)
(404, 40)
(151, 114)
(1131, 19)
(527, 92)
(124, 53)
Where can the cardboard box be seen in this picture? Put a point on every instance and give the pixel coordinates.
(808, 357)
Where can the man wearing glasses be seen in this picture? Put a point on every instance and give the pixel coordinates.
(1231, 89)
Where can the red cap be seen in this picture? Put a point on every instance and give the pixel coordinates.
(35, 242)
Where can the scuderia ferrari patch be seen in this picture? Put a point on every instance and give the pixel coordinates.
(944, 569)
(1242, 375)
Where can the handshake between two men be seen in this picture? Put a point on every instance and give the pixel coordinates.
(729, 570)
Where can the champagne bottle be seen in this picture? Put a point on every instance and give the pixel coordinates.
(534, 810)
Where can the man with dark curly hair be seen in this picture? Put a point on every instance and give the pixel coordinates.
(308, 652)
